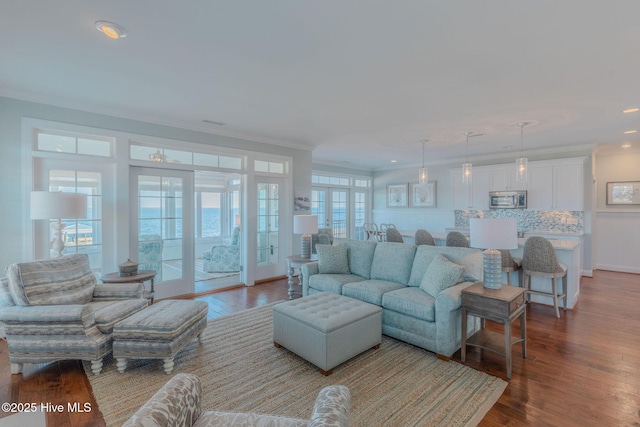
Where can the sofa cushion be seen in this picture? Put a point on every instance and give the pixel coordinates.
(332, 282)
(392, 261)
(370, 291)
(360, 254)
(469, 258)
(108, 313)
(440, 274)
(332, 259)
(62, 280)
(411, 301)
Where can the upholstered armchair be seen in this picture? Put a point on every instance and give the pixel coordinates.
(324, 236)
(178, 404)
(223, 258)
(150, 252)
(57, 311)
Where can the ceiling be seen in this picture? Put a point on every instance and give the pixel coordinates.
(362, 82)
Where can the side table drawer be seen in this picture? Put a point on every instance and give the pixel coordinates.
(495, 307)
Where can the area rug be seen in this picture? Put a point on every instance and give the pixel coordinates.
(241, 370)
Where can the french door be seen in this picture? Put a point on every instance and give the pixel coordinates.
(332, 207)
(162, 236)
(270, 256)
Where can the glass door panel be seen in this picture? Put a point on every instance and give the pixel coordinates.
(269, 260)
(332, 208)
(163, 209)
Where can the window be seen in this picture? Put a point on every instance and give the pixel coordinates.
(165, 155)
(61, 143)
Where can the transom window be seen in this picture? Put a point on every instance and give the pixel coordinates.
(68, 143)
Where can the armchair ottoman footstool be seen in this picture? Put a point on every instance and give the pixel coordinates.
(327, 329)
(159, 332)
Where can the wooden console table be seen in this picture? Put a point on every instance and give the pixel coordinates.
(141, 277)
(502, 305)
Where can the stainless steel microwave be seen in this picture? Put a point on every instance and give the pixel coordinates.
(508, 199)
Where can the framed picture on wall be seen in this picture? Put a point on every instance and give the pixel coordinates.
(397, 196)
(423, 195)
(623, 193)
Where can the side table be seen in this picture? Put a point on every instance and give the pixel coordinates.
(296, 261)
(141, 277)
(502, 305)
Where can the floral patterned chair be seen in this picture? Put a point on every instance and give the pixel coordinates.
(223, 258)
(150, 252)
(178, 403)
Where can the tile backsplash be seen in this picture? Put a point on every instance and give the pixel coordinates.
(559, 221)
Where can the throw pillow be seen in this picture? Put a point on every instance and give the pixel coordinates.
(440, 275)
(332, 259)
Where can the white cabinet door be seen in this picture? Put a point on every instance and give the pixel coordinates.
(461, 192)
(568, 187)
(480, 190)
(504, 179)
(540, 192)
(556, 187)
(473, 196)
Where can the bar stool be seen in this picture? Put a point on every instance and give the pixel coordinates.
(456, 238)
(539, 259)
(511, 264)
(393, 235)
(423, 237)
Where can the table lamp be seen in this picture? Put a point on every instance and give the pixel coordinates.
(305, 225)
(492, 234)
(58, 205)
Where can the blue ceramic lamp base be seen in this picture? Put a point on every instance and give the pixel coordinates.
(492, 265)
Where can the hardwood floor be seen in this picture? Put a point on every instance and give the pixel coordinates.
(581, 369)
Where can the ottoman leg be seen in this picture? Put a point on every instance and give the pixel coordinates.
(326, 373)
(168, 365)
(121, 364)
(276, 345)
(96, 366)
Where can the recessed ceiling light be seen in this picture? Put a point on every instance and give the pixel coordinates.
(630, 131)
(111, 30)
(631, 110)
(393, 161)
(626, 145)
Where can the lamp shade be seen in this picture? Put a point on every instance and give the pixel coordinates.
(56, 205)
(493, 233)
(305, 224)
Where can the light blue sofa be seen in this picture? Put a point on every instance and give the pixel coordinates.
(389, 275)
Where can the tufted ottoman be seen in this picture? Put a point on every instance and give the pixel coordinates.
(327, 329)
(159, 331)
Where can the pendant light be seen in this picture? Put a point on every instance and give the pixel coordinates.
(467, 168)
(423, 173)
(521, 162)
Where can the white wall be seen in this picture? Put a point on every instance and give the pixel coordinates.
(14, 202)
(616, 228)
(432, 219)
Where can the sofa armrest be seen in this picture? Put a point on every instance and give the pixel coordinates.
(306, 271)
(448, 319)
(331, 407)
(48, 314)
(177, 403)
(451, 298)
(117, 291)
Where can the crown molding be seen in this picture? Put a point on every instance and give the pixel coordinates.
(204, 128)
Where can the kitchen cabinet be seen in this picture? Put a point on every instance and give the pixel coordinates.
(473, 196)
(504, 179)
(556, 186)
